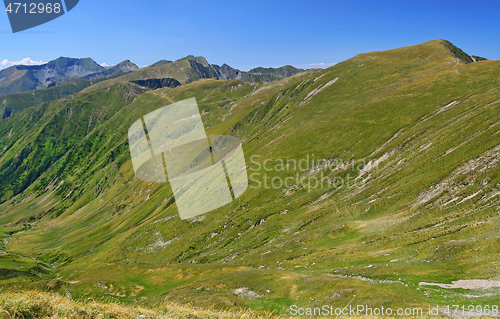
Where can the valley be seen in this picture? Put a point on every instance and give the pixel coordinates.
(399, 185)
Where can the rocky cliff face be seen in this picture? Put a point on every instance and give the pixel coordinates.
(225, 72)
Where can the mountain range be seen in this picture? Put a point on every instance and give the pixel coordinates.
(19, 78)
(367, 181)
(65, 76)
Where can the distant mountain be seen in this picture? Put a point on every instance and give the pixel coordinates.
(23, 86)
(161, 62)
(14, 102)
(225, 72)
(201, 60)
(266, 75)
(120, 68)
(19, 78)
(192, 68)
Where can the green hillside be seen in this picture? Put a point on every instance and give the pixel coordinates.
(16, 102)
(391, 167)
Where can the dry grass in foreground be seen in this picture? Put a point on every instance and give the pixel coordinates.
(36, 304)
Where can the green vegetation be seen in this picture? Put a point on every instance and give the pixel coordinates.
(16, 102)
(427, 213)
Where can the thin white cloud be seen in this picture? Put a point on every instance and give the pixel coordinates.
(26, 61)
(104, 64)
(321, 65)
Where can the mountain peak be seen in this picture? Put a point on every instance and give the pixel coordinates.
(126, 65)
(161, 62)
(455, 51)
(198, 59)
(63, 62)
(438, 50)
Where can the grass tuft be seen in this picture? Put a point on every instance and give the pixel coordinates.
(38, 304)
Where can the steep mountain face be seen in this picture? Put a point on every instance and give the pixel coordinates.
(65, 68)
(125, 66)
(266, 75)
(158, 83)
(21, 78)
(16, 79)
(225, 72)
(366, 179)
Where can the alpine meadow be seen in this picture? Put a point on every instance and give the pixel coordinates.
(368, 181)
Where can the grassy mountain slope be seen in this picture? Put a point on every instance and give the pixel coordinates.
(403, 188)
(16, 102)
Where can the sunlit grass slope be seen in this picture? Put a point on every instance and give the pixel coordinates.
(409, 138)
(37, 304)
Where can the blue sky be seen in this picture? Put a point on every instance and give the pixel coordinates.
(247, 34)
